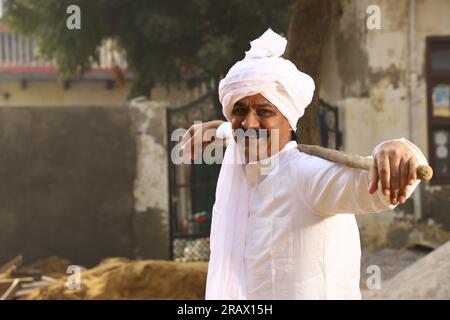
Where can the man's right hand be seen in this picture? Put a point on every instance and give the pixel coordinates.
(196, 138)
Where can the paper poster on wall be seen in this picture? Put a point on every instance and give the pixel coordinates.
(441, 100)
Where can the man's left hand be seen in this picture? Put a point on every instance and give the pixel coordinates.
(395, 165)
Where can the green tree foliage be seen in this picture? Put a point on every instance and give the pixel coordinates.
(163, 39)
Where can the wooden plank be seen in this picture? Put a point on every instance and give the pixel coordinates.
(4, 285)
(9, 293)
(16, 261)
(35, 284)
(24, 292)
(48, 279)
(21, 273)
(22, 280)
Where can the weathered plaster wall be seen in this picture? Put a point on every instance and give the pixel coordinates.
(151, 190)
(367, 74)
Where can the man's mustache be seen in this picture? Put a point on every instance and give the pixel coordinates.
(251, 133)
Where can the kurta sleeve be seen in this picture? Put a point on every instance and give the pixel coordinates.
(330, 188)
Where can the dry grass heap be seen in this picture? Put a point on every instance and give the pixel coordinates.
(120, 278)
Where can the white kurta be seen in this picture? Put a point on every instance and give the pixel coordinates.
(297, 246)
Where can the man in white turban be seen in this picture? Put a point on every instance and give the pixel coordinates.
(288, 231)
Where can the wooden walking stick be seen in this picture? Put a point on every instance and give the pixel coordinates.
(424, 172)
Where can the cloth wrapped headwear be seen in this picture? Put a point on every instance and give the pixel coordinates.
(264, 72)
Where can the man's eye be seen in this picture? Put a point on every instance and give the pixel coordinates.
(239, 111)
(264, 112)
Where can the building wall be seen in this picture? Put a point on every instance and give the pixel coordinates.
(365, 72)
(66, 183)
(143, 129)
(53, 94)
(85, 183)
(432, 20)
(368, 74)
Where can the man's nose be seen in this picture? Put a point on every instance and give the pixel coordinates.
(251, 121)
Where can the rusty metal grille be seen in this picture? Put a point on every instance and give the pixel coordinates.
(191, 249)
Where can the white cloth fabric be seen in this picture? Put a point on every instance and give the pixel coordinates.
(263, 71)
(226, 276)
(280, 236)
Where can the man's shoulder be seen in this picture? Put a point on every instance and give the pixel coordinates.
(302, 158)
(304, 163)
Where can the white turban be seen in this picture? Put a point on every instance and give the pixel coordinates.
(264, 72)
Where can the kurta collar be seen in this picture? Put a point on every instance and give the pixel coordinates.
(255, 172)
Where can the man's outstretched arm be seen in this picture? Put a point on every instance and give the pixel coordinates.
(331, 188)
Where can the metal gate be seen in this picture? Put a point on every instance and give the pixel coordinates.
(330, 135)
(192, 187)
